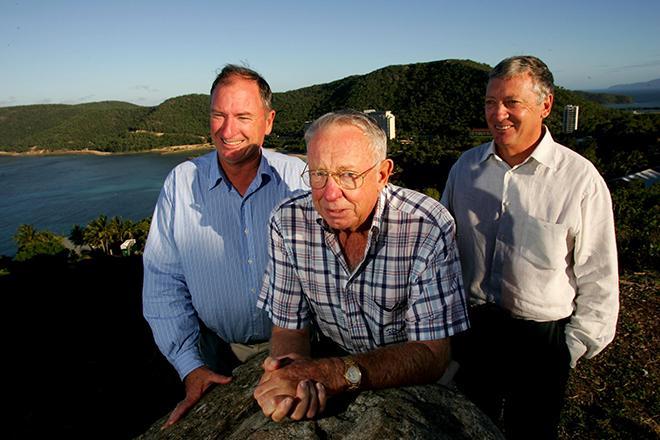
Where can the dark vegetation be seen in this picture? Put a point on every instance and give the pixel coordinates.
(82, 361)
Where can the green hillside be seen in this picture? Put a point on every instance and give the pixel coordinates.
(104, 126)
(426, 98)
(187, 114)
(437, 102)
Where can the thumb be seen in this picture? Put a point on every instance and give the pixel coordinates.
(272, 364)
(180, 410)
(219, 379)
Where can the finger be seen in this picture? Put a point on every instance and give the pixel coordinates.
(322, 396)
(269, 402)
(275, 386)
(282, 409)
(267, 406)
(181, 409)
(303, 397)
(313, 407)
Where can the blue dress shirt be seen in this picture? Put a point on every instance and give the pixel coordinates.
(207, 252)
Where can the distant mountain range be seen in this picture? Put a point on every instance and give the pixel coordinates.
(440, 99)
(654, 84)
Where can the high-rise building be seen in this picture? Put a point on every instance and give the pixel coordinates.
(385, 120)
(571, 113)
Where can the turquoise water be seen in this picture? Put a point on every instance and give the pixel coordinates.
(56, 192)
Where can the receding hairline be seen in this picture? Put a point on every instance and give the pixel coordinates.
(232, 72)
(366, 125)
(537, 69)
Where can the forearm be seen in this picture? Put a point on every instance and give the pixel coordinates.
(168, 310)
(410, 363)
(285, 341)
(596, 303)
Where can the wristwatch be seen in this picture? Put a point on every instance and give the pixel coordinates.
(352, 373)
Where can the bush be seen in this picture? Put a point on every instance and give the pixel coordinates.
(637, 219)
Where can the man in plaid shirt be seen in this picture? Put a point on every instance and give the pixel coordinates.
(370, 266)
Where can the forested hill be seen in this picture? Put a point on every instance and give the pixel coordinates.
(435, 100)
(105, 126)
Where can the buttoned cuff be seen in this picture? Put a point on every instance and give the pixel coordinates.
(187, 362)
(576, 349)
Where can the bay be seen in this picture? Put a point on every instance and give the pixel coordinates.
(56, 192)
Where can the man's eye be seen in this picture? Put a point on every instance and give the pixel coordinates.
(319, 173)
(349, 175)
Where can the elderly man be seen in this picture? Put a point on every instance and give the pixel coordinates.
(206, 252)
(369, 266)
(535, 232)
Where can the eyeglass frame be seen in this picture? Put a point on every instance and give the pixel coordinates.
(335, 176)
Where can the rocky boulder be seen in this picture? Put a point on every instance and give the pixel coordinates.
(419, 412)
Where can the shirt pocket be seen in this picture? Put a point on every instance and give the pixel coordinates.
(387, 310)
(544, 244)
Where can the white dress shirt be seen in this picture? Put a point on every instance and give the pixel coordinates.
(538, 239)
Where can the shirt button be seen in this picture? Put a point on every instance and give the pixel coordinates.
(246, 231)
(249, 260)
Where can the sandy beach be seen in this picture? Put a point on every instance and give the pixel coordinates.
(35, 151)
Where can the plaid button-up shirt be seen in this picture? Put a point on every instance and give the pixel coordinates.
(408, 287)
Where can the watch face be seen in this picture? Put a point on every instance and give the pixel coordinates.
(353, 374)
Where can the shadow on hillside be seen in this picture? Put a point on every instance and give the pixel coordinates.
(82, 361)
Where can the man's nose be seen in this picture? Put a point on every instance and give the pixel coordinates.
(228, 128)
(332, 191)
(501, 112)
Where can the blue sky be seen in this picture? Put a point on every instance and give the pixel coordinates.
(147, 51)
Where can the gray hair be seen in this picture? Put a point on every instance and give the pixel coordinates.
(368, 126)
(521, 64)
(230, 71)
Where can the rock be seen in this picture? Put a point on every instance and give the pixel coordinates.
(420, 412)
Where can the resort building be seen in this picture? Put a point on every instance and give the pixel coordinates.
(571, 113)
(385, 120)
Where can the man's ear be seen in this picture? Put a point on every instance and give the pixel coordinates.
(385, 171)
(270, 117)
(547, 106)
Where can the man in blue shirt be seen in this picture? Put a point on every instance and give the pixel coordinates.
(206, 252)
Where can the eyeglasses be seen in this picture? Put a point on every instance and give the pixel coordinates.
(317, 179)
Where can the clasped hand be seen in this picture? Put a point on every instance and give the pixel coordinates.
(289, 387)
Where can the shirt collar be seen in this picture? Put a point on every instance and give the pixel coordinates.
(490, 151)
(543, 153)
(216, 173)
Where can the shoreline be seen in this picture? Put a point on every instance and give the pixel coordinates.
(34, 151)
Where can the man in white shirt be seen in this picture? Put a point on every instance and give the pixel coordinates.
(535, 232)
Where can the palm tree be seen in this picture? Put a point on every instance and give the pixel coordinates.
(32, 243)
(77, 235)
(98, 235)
(25, 234)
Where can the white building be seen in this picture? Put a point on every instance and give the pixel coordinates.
(385, 120)
(571, 113)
